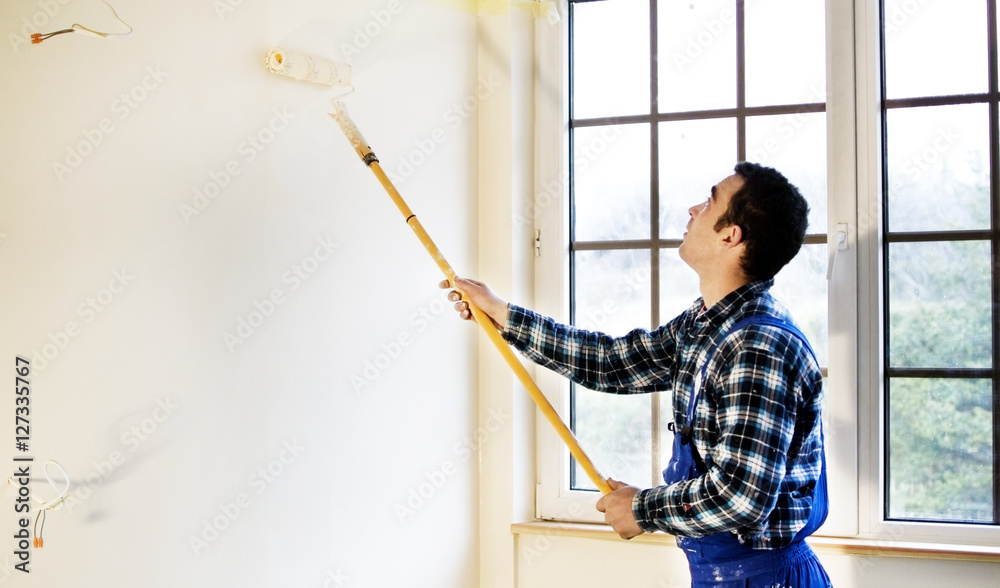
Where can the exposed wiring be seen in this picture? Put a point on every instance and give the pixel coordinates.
(39, 37)
(56, 502)
(43, 505)
(39, 542)
(78, 28)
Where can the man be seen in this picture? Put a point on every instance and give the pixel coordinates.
(746, 483)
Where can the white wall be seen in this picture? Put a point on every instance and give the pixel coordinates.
(109, 227)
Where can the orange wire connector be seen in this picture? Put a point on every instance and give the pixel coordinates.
(37, 38)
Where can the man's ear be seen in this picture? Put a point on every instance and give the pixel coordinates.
(732, 235)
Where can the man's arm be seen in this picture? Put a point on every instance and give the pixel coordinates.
(638, 362)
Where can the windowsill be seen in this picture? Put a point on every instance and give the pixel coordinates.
(832, 545)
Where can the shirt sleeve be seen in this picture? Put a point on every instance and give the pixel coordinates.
(640, 361)
(755, 408)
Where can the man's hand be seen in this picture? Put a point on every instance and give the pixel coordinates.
(480, 295)
(617, 509)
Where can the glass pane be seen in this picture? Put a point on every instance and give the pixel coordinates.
(666, 448)
(610, 58)
(611, 182)
(785, 52)
(940, 450)
(938, 168)
(694, 156)
(611, 290)
(616, 432)
(611, 295)
(935, 47)
(697, 55)
(802, 287)
(678, 291)
(678, 285)
(795, 145)
(939, 304)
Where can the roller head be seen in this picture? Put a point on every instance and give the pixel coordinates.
(309, 68)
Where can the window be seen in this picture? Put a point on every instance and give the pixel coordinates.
(662, 99)
(655, 121)
(939, 254)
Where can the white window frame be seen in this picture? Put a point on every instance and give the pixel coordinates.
(855, 409)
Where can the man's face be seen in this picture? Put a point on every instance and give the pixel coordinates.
(701, 241)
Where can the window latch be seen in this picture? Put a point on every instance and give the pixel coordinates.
(841, 236)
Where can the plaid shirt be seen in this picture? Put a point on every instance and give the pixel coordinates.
(757, 424)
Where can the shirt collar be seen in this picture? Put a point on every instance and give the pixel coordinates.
(726, 307)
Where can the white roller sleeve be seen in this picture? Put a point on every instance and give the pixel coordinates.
(309, 68)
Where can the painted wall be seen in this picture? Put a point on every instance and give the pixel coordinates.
(238, 350)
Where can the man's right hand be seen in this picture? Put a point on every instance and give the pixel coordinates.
(479, 294)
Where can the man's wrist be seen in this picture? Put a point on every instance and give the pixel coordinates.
(504, 317)
(641, 512)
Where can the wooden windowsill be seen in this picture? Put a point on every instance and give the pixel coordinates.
(834, 545)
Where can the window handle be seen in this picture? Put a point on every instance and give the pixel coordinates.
(841, 235)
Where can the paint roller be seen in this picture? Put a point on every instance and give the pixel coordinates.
(310, 68)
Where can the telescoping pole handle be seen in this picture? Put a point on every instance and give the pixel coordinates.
(364, 151)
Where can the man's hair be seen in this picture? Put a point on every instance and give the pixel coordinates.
(772, 215)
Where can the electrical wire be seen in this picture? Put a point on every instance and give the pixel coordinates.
(39, 542)
(39, 37)
(78, 28)
(56, 502)
(45, 506)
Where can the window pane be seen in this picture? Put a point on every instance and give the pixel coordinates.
(939, 304)
(802, 287)
(666, 449)
(785, 52)
(694, 156)
(941, 451)
(611, 58)
(678, 285)
(697, 61)
(611, 182)
(795, 145)
(611, 295)
(617, 432)
(611, 290)
(938, 168)
(935, 47)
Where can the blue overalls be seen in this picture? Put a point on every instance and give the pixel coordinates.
(720, 560)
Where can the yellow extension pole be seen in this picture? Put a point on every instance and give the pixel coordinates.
(365, 152)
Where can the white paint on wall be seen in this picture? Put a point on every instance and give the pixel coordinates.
(248, 311)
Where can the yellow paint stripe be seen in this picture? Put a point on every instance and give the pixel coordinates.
(537, 8)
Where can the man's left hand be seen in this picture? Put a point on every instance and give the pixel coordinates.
(617, 509)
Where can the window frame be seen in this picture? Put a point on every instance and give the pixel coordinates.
(656, 242)
(554, 500)
(987, 235)
(855, 403)
(873, 409)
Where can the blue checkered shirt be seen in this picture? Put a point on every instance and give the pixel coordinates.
(757, 424)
